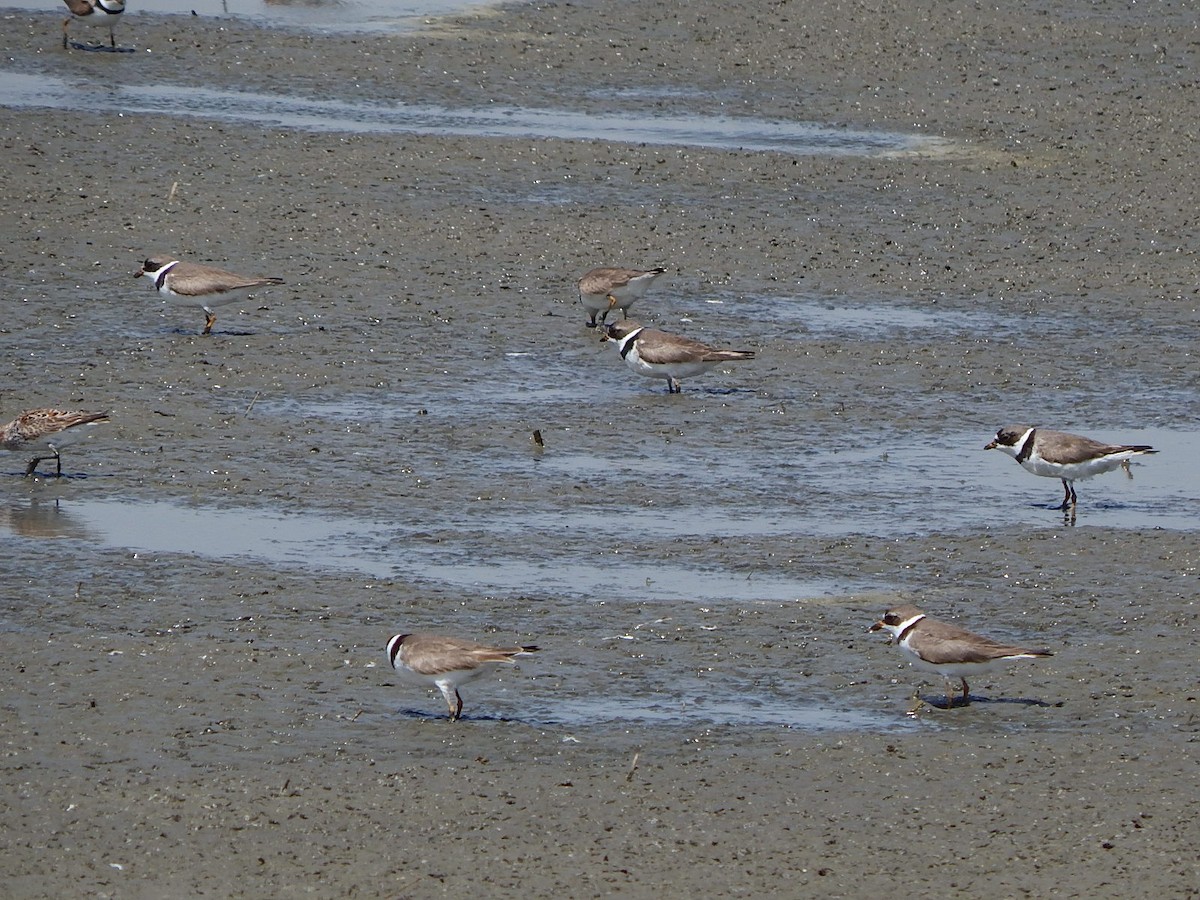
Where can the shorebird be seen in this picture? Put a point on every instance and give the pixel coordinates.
(42, 430)
(952, 652)
(97, 13)
(605, 289)
(192, 284)
(446, 662)
(1056, 454)
(659, 354)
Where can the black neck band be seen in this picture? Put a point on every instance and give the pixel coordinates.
(628, 345)
(903, 634)
(1027, 448)
(162, 277)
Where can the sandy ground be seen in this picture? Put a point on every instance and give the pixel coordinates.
(179, 726)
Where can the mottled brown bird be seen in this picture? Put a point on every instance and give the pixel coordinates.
(46, 430)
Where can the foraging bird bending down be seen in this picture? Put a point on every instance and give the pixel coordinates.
(605, 289)
(39, 430)
(1056, 454)
(446, 662)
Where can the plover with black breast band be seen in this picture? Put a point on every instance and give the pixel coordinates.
(1057, 454)
(660, 354)
(192, 284)
(952, 652)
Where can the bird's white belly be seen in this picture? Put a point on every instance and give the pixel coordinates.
(1072, 471)
(665, 370)
(600, 302)
(955, 670)
(206, 301)
(595, 302)
(459, 676)
(99, 19)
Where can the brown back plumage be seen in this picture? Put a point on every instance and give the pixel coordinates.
(608, 278)
(433, 654)
(1075, 448)
(662, 347)
(38, 424)
(941, 642)
(195, 280)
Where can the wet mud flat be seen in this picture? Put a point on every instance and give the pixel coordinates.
(708, 713)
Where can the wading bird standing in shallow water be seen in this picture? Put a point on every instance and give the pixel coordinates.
(1056, 454)
(446, 662)
(952, 652)
(191, 284)
(659, 354)
(46, 430)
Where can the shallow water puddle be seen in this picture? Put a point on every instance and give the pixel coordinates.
(19, 90)
(876, 320)
(572, 549)
(608, 710)
(313, 540)
(710, 710)
(693, 483)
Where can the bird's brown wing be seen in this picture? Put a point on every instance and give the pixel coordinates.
(660, 347)
(431, 654)
(196, 281)
(1075, 448)
(598, 281)
(36, 423)
(80, 7)
(942, 643)
(728, 355)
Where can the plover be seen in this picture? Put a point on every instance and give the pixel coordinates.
(446, 662)
(1056, 454)
(97, 13)
(192, 284)
(659, 354)
(46, 430)
(603, 290)
(950, 651)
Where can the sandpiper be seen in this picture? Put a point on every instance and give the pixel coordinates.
(47, 430)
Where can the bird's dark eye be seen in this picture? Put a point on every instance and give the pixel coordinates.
(891, 619)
